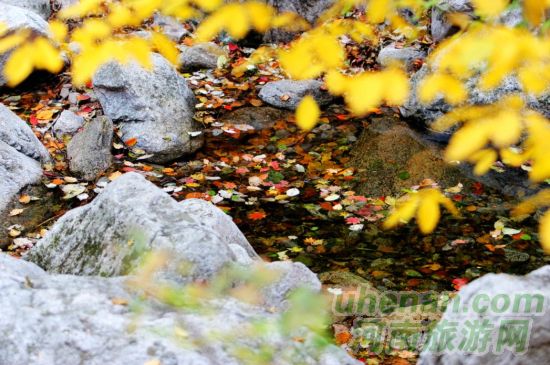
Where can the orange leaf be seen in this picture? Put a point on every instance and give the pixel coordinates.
(131, 142)
(256, 216)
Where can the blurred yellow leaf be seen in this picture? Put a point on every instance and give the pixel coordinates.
(308, 113)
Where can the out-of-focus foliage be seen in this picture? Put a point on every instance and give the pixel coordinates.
(484, 50)
(306, 316)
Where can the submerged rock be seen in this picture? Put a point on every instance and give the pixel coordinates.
(390, 157)
(89, 152)
(260, 118)
(154, 109)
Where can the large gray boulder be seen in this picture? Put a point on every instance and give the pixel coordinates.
(40, 7)
(64, 319)
(130, 217)
(488, 305)
(16, 133)
(310, 10)
(17, 171)
(89, 152)
(16, 18)
(154, 108)
(288, 94)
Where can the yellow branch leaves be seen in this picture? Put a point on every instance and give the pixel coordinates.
(423, 204)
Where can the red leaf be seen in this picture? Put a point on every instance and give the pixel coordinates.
(458, 283)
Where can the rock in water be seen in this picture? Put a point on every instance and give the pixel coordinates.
(17, 171)
(64, 319)
(16, 18)
(200, 56)
(511, 312)
(67, 124)
(287, 94)
(89, 152)
(153, 109)
(130, 217)
(40, 7)
(16, 133)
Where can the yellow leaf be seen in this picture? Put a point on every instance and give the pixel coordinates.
(59, 30)
(428, 212)
(490, 8)
(544, 232)
(378, 10)
(308, 113)
(466, 141)
(46, 56)
(19, 65)
(484, 160)
(449, 87)
(403, 212)
(534, 11)
(165, 47)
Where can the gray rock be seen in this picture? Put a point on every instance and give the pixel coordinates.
(40, 7)
(310, 10)
(89, 151)
(441, 28)
(290, 276)
(287, 94)
(17, 171)
(63, 319)
(130, 217)
(428, 114)
(170, 26)
(15, 18)
(405, 55)
(154, 107)
(58, 5)
(16, 133)
(507, 286)
(211, 217)
(200, 56)
(67, 124)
